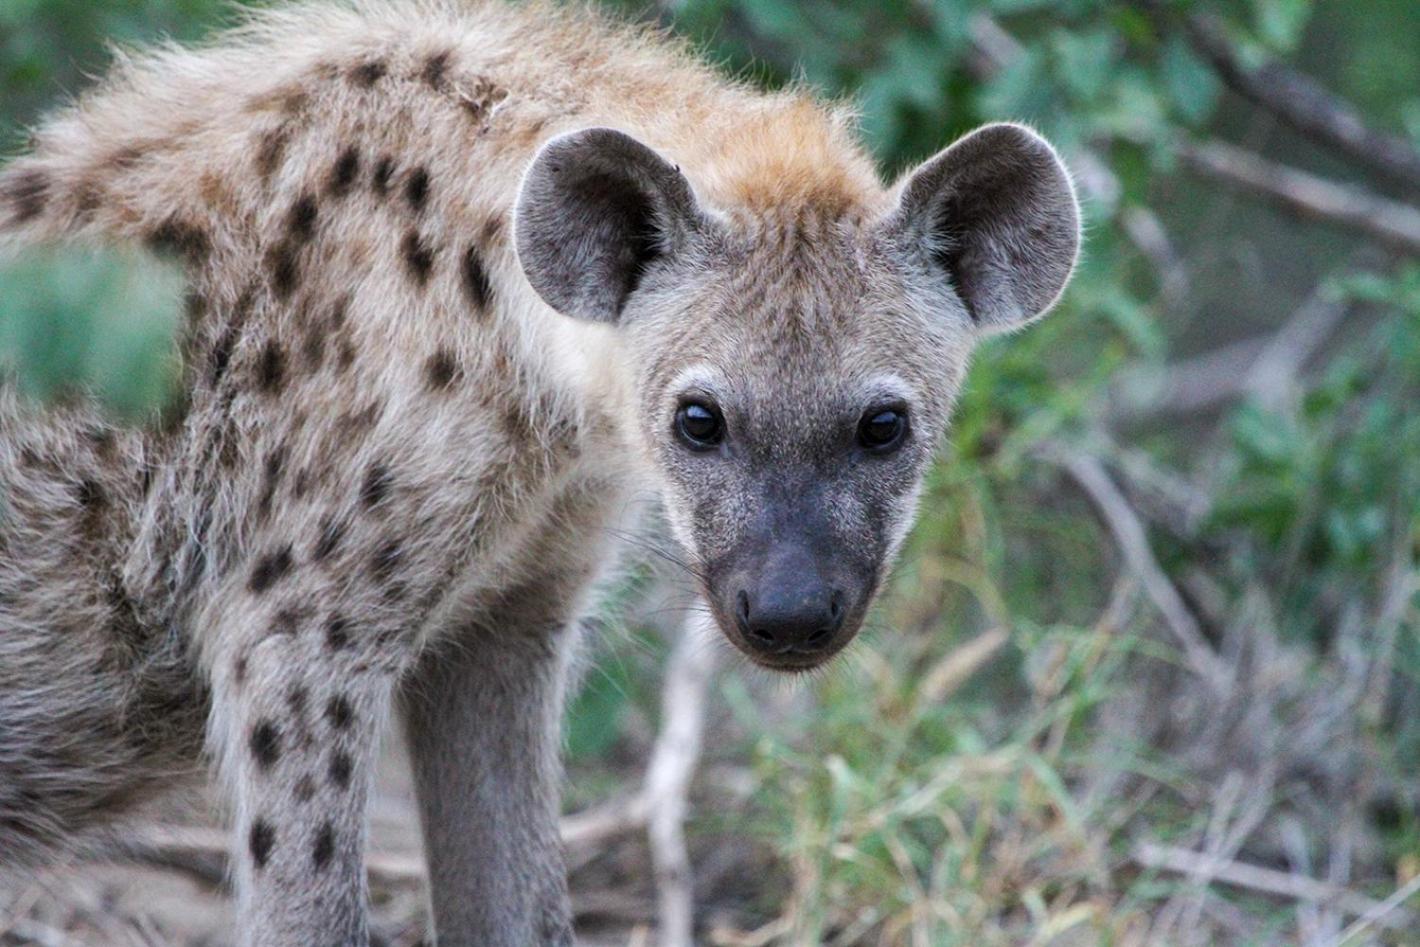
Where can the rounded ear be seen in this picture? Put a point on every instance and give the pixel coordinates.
(996, 214)
(595, 209)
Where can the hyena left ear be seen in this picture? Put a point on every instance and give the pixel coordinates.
(996, 214)
(595, 210)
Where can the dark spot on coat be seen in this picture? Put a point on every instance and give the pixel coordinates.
(265, 744)
(441, 369)
(384, 170)
(340, 769)
(27, 194)
(125, 158)
(239, 670)
(516, 424)
(88, 197)
(475, 280)
(180, 239)
(272, 470)
(346, 170)
(270, 150)
(305, 789)
(324, 848)
(339, 712)
(337, 633)
(89, 494)
(368, 73)
(492, 231)
(296, 699)
(272, 368)
(386, 560)
(338, 313)
(286, 622)
(332, 531)
(436, 70)
(260, 841)
(376, 486)
(345, 358)
(126, 625)
(270, 568)
(418, 257)
(194, 305)
(313, 347)
(416, 189)
(284, 265)
(301, 222)
(358, 422)
(221, 355)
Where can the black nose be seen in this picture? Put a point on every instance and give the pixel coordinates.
(790, 619)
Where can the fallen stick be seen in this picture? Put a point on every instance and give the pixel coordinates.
(1270, 881)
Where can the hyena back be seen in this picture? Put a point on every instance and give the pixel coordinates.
(444, 326)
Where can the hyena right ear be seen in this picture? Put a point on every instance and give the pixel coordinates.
(596, 209)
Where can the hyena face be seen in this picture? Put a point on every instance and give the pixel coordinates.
(795, 367)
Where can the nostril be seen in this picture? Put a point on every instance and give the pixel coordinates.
(835, 607)
(819, 637)
(763, 636)
(742, 608)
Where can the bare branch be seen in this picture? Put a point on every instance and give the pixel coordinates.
(1391, 223)
(1273, 882)
(1273, 376)
(583, 831)
(668, 779)
(1380, 914)
(1265, 366)
(1133, 542)
(1191, 386)
(1301, 103)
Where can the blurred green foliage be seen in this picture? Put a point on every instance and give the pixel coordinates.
(968, 802)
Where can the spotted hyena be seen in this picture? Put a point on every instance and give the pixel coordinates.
(464, 280)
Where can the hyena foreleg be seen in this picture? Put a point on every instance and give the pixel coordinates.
(482, 714)
(299, 700)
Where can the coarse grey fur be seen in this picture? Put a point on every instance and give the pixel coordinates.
(457, 272)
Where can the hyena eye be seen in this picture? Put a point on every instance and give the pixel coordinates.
(699, 425)
(882, 429)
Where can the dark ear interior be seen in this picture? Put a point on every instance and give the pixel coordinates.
(597, 209)
(996, 213)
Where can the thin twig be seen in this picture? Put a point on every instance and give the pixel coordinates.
(668, 778)
(1401, 584)
(1270, 881)
(1378, 914)
(1133, 541)
(1389, 222)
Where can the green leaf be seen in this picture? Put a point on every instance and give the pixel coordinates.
(1191, 84)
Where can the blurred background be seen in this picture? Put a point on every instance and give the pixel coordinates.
(1149, 672)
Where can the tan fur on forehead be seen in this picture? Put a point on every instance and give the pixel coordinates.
(792, 155)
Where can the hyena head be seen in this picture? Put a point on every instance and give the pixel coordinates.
(796, 366)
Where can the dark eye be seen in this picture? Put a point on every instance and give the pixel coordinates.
(882, 429)
(699, 425)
